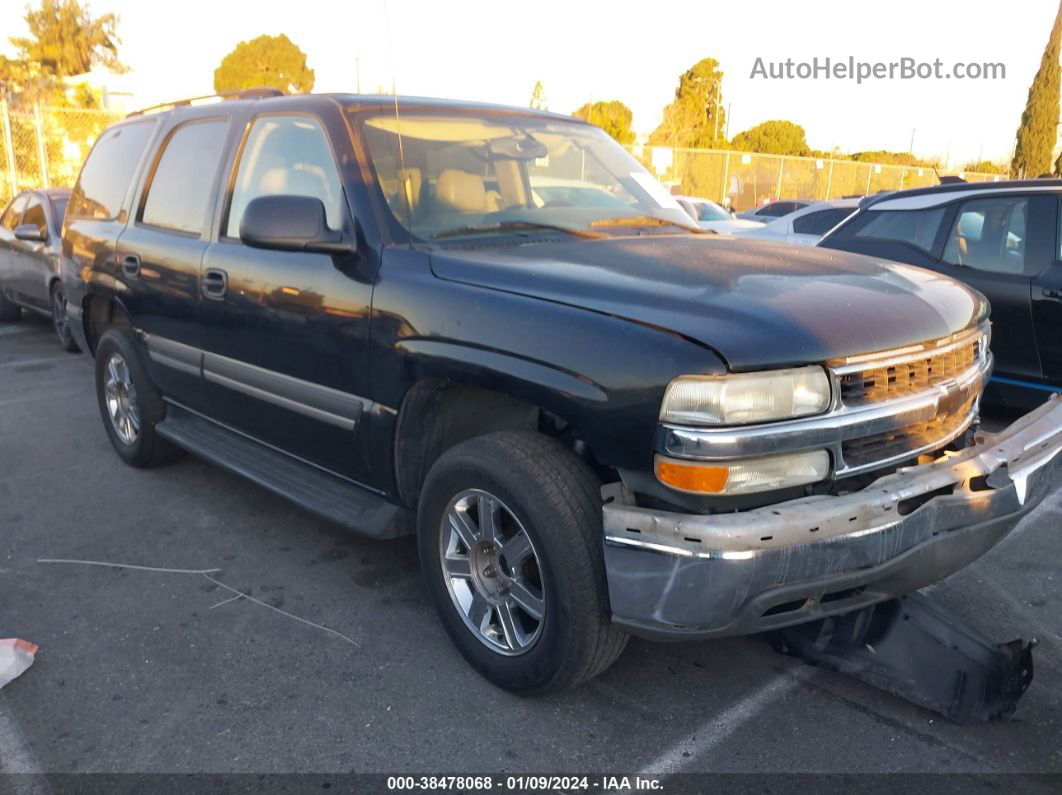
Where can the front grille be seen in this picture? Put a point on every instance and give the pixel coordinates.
(893, 444)
(915, 374)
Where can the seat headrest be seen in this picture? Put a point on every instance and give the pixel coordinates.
(462, 191)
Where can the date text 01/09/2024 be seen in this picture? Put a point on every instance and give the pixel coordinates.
(519, 783)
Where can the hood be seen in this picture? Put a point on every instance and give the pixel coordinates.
(756, 304)
(732, 225)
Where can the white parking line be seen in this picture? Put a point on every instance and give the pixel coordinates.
(15, 755)
(39, 398)
(721, 726)
(34, 361)
(10, 331)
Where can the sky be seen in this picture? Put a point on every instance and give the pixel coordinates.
(587, 50)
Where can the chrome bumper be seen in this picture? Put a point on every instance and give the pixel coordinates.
(675, 575)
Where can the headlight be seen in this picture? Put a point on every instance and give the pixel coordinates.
(746, 398)
(727, 478)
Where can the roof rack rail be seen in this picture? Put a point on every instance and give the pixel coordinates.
(246, 93)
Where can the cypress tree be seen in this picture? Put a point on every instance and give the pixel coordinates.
(1039, 122)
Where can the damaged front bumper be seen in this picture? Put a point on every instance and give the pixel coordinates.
(676, 576)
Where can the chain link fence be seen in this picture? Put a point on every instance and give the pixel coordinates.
(745, 180)
(44, 148)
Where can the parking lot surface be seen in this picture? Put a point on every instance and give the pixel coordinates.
(146, 671)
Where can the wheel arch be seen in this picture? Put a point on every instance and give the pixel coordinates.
(99, 312)
(438, 413)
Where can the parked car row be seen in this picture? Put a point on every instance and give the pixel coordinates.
(31, 267)
(491, 327)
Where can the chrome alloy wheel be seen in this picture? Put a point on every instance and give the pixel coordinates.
(492, 572)
(120, 395)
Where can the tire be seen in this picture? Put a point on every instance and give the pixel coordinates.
(137, 407)
(60, 322)
(533, 484)
(9, 310)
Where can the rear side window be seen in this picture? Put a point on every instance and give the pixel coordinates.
(13, 214)
(179, 191)
(108, 171)
(990, 235)
(35, 215)
(917, 227)
(821, 222)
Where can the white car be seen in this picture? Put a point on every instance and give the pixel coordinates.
(559, 192)
(710, 215)
(804, 227)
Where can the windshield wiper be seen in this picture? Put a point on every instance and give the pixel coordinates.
(517, 226)
(646, 220)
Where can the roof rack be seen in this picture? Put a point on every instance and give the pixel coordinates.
(246, 93)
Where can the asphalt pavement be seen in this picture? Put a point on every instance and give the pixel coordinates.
(150, 671)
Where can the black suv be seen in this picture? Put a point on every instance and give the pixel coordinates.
(1001, 238)
(597, 420)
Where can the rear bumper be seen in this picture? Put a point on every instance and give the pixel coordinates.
(674, 576)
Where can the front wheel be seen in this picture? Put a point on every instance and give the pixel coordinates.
(509, 531)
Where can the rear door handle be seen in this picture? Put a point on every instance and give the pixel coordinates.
(215, 283)
(131, 265)
(1053, 294)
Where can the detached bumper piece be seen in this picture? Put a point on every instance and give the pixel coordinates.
(676, 576)
(913, 648)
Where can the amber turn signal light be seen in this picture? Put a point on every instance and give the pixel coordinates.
(699, 479)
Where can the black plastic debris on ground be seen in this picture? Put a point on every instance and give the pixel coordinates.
(914, 648)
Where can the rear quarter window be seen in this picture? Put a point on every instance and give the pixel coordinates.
(917, 228)
(110, 167)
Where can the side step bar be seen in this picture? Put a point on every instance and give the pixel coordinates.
(319, 492)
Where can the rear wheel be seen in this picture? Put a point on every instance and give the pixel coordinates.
(130, 405)
(509, 530)
(61, 322)
(9, 310)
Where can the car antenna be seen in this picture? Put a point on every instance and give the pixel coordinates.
(404, 179)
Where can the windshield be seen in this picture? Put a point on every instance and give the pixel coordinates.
(498, 173)
(710, 211)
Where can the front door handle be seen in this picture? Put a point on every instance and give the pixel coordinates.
(215, 283)
(131, 265)
(1056, 294)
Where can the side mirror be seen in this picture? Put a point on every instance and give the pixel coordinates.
(31, 232)
(290, 223)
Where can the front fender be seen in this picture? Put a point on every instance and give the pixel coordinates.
(602, 374)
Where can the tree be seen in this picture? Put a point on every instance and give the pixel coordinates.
(613, 117)
(894, 159)
(1039, 123)
(538, 97)
(65, 40)
(985, 167)
(695, 118)
(267, 62)
(773, 138)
